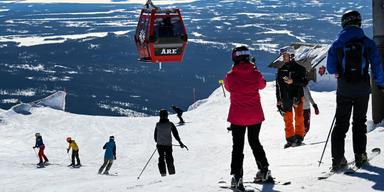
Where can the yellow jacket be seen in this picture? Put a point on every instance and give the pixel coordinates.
(73, 145)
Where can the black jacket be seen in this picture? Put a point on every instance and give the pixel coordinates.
(286, 93)
(178, 111)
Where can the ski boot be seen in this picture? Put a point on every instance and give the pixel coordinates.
(290, 142)
(298, 140)
(263, 176)
(339, 164)
(237, 183)
(40, 164)
(361, 159)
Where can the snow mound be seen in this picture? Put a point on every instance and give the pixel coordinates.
(54, 101)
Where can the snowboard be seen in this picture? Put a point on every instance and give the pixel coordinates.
(351, 168)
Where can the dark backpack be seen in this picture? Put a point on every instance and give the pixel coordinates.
(353, 61)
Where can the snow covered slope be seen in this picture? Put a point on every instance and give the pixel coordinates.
(160, 2)
(198, 169)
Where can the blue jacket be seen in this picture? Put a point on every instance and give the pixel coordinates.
(363, 88)
(110, 150)
(39, 142)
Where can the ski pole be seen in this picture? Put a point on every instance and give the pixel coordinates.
(180, 145)
(145, 166)
(326, 142)
(36, 154)
(68, 156)
(221, 82)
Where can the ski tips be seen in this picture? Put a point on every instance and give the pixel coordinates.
(376, 150)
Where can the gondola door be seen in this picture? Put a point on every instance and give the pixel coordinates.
(142, 36)
(168, 36)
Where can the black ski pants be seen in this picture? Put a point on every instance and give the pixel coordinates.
(75, 155)
(165, 153)
(238, 133)
(108, 163)
(359, 129)
(180, 118)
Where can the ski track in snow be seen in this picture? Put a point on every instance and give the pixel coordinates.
(199, 169)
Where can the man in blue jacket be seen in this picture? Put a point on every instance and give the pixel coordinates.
(349, 58)
(109, 155)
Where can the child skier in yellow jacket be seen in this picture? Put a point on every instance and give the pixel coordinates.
(75, 152)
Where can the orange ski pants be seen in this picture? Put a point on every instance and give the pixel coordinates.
(298, 129)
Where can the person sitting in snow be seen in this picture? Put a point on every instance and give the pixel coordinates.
(243, 82)
(163, 138)
(308, 100)
(40, 144)
(109, 155)
(75, 152)
(179, 113)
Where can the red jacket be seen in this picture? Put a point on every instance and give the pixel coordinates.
(244, 82)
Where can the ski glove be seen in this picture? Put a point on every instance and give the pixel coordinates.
(181, 144)
(114, 158)
(316, 109)
(280, 109)
(67, 150)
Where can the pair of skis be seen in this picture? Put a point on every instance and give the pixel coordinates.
(350, 170)
(351, 167)
(251, 186)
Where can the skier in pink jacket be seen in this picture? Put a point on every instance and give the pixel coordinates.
(244, 82)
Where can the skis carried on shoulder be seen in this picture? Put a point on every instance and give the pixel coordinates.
(351, 168)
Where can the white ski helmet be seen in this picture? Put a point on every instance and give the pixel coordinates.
(240, 53)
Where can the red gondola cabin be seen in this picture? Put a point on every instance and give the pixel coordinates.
(160, 35)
